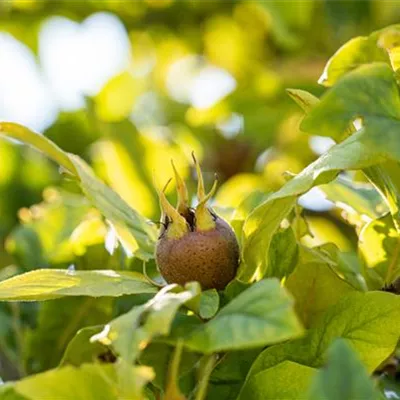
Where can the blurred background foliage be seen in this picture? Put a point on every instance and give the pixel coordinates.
(128, 85)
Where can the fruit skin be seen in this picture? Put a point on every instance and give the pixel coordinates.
(209, 257)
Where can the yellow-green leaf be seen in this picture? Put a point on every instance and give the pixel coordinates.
(46, 284)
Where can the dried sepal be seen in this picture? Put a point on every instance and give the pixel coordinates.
(204, 219)
(200, 181)
(177, 225)
(183, 197)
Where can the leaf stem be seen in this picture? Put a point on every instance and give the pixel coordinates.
(151, 281)
(19, 338)
(172, 391)
(205, 372)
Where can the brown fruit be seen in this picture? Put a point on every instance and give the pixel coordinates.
(196, 245)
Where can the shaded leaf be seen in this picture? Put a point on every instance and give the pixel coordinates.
(230, 373)
(209, 304)
(283, 254)
(158, 355)
(234, 366)
(389, 386)
(223, 391)
(57, 323)
(182, 325)
(234, 288)
(80, 350)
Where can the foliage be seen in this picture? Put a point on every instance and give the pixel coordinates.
(314, 310)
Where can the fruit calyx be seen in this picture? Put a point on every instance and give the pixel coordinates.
(183, 219)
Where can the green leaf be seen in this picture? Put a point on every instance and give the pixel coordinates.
(362, 149)
(41, 143)
(369, 322)
(249, 203)
(384, 178)
(358, 51)
(37, 242)
(46, 284)
(283, 254)
(350, 99)
(158, 357)
(343, 191)
(389, 386)
(8, 392)
(182, 325)
(346, 265)
(234, 366)
(56, 325)
(230, 373)
(315, 286)
(259, 229)
(223, 391)
(287, 19)
(234, 288)
(136, 234)
(379, 243)
(287, 380)
(128, 334)
(209, 304)
(261, 315)
(358, 200)
(80, 350)
(131, 380)
(205, 304)
(304, 99)
(88, 382)
(344, 377)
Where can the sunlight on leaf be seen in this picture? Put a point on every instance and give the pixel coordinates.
(46, 284)
(314, 286)
(369, 322)
(344, 377)
(287, 380)
(380, 246)
(261, 315)
(105, 199)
